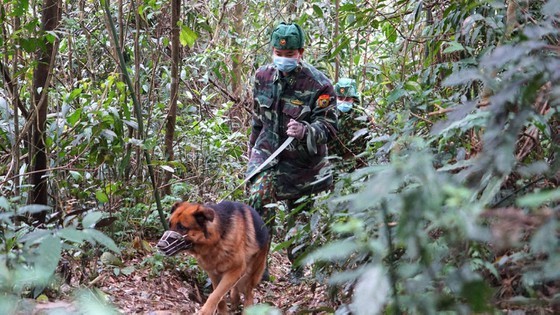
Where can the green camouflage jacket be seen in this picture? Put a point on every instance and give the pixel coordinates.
(350, 139)
(304, 93)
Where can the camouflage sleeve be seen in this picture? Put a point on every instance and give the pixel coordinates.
(323, 122)
(256, 123)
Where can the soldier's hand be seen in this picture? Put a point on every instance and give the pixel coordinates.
(296, 129)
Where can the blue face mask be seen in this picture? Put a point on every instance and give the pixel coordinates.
(285, 64)
(344, 106)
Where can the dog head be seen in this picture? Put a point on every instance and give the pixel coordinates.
(188, 226)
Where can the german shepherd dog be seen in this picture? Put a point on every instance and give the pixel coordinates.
(229, 241)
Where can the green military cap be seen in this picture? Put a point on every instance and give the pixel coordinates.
(346, 87)
(287, 36)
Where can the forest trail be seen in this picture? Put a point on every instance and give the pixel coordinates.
(177, 291)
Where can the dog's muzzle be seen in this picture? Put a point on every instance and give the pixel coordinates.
(172, 242)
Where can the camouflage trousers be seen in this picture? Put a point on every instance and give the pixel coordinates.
(262, 191)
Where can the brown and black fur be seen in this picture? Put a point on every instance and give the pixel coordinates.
(230, 242)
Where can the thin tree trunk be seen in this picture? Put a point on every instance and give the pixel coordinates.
(137, 54)
(336, 32)
(429, 23)
(38, 193)
(129, 148)
(236, 112)
(13, 89)
(172, 114)
(15, 97)
(238, 57)
(511, 16)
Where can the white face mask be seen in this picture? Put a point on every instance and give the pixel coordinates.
(344, 106)
(285, 64)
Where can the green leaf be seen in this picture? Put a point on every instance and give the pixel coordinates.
(282, 245)
(318, 11)
(390, 32)
(9, 304)
(536, 199)
(73, 118)
(91, 218)
(32, 209)
(492, 187)
(333, 251)
(533, 169)
(342, 45)
(94, 302)
(127, 270)
(109, 259)
(4, 203)
(101, 196)
(453, 47)
(34, 236)
(412, 86)
(76, 175)
(168, 168)
(72, 96)
(131, 124)
(477, 293)
(72, 235)
(103, 239)
(29, 45)
(372, 290)
(551, 8)
(42, 298)
(48, 255)
(260, 309)
(462, 77)
(350, 7)
(542, 242)
(352, 225)
(187, 36)
(347, 275)
(51, 36)
(20, 7)
(395, 95)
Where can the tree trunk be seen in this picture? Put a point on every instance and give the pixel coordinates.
(236, 112)
(15, 97)
(336, 33)
(511, 16)
(172, 114)
(45, 54)
(238, 56)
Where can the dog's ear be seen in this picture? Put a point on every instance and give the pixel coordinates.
(175, 206)
(204, 214)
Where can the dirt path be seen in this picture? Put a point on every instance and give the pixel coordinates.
(172, 292)
(149, 283)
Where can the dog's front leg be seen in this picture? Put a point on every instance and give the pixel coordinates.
(222, 306)
(226, 283)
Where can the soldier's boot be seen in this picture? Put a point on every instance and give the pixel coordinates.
(295, 275)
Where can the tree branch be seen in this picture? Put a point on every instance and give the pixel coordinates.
(11, 87)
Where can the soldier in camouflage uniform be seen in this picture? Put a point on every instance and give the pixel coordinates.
(350, 140)
(291, 99)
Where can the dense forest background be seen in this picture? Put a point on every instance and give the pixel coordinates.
(110, 111)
